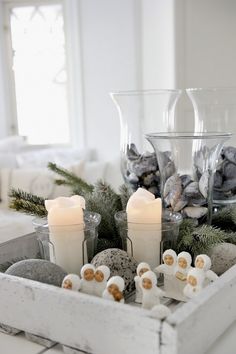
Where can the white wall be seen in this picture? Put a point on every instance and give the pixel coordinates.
(109, 47)
(206, 52)
(158, 47)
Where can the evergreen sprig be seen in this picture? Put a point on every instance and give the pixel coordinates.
(77, 184)
(27, 203)
(101, 198)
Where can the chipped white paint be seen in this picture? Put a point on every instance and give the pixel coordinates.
(196, 325)
(77, 320)
(97, 326)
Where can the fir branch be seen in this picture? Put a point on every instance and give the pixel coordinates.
(27, 203)
(71, 179)
(225, 218)
(106, 202)
(32, 198)
(204, 237)
(185, 235)
(124, 195)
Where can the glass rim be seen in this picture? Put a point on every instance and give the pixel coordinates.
(175, 221)
(144, 92)
(189, 135)
(87, 220)
(213, 89)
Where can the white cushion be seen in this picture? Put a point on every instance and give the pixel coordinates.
(41, 157)
(12, 143)
(8, 159)
(39, 181)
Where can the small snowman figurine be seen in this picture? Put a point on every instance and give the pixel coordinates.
(169, 258)
(141, 269)
(184, 261)
(102, 273)
(114, 289)
(71, 282)
(203, 262)
(151, 293)
(87, 279)
(195, 279)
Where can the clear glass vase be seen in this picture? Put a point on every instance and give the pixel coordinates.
(187, 163)
(215, 110)
(69, 246)
(141, 112)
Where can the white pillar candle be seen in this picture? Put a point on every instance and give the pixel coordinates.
(66, 231)
(144, 226)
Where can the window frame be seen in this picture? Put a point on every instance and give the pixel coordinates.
(73, 67)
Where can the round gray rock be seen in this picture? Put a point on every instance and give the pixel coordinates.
(120, 263)
(39, 270)
(223, 257)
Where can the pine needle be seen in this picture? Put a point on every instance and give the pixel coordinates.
(71, 179)
(27, 203)
(124, 195)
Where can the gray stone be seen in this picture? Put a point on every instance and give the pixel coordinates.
(132, 152)
(185, 180)
(39, 270)
(229, 170)
(192, 190)
(120, 263)
(132, 178)
(223, 257)
(229, 153)
(195, 212)
(218, 179)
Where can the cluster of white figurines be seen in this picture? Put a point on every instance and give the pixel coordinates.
(94, 281)
(181, 280)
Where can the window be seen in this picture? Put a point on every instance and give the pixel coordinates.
(39, 73)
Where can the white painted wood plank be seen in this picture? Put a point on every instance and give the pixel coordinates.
(226, 343)
(80, 321)
(195, 326)
(55, 350)
(21, 247)
(18, 345)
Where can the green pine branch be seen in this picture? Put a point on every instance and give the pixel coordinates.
(124, 195)
(70, 179)
(27, 203)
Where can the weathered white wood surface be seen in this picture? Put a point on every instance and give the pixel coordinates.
(195, 326)
(21, 247)
(18, 345)
(77, 320)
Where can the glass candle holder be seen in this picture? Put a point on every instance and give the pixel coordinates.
(147, 241)
(187, 163)
(141, 112)
(215, 109)
(69, 246)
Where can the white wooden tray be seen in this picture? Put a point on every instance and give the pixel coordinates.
(97, 326)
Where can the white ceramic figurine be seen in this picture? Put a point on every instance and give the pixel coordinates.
(71, 282)
(88, 282)
(203, 262)
(102, 273)
(151, 293)
(141, 269)
(114, 289)
(184, 260)
(195, 279)
(168, 267)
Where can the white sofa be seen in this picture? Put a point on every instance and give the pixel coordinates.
(24, 167)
